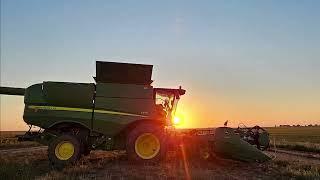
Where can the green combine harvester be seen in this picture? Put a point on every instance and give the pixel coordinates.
(122, 111)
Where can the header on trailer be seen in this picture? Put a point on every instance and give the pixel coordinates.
(123, 73)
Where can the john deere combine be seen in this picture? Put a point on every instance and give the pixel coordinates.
(121, 110)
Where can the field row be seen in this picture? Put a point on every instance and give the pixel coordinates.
(295, 134)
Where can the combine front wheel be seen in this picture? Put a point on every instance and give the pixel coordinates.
(146, 143)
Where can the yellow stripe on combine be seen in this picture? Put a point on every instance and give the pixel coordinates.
(57, 108)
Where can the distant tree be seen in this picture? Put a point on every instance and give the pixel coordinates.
(285, 125)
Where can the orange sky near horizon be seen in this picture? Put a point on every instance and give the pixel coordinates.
(203, 110)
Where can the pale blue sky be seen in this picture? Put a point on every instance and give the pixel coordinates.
(233, 57)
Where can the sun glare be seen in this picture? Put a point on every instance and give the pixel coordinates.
(176, 120)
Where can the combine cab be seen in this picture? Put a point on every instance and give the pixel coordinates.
(121, 110)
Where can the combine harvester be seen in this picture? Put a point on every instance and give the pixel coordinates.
(122, 111)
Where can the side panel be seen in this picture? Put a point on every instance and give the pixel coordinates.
(110, 124)
(47, 116)
(34, 95)
(117, 105)
(129, 105)
(69, 94)
(124, 90)
(54, 102)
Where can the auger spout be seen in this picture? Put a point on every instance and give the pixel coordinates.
(12, 91)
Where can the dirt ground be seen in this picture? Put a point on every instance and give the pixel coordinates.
(32, 163)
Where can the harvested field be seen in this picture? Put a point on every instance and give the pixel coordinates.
(295, 134)
(32, 163)
(305, 139)
(113, 165)
(9, 141)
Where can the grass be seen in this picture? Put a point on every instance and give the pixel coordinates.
(297, 171)
(10, 134)
(12, 142)
(9, 170)
(295, 134)
(24, 165)
(299, 146)
(306, 139)
(9, 141)
(113, 165)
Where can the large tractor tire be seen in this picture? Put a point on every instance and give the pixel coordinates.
(64, 150)
(146, 144)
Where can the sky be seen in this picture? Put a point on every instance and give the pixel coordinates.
(251, 62)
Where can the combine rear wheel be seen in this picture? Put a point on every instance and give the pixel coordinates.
(64, 150)
(146, 144)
